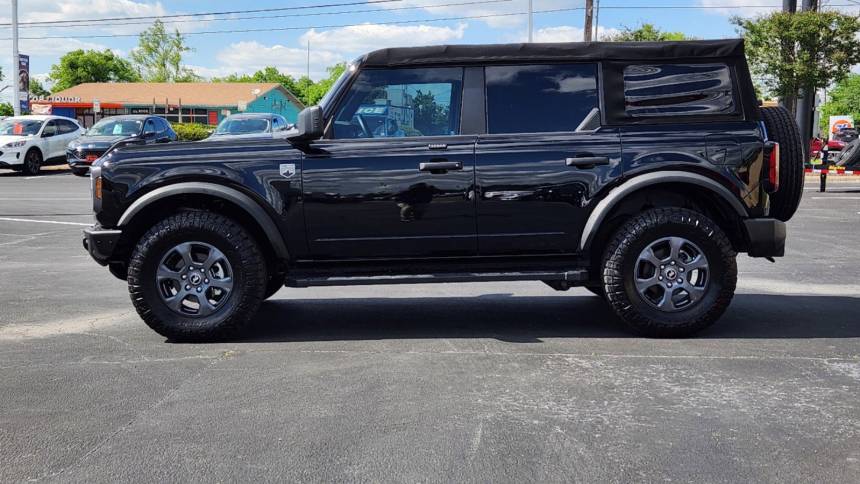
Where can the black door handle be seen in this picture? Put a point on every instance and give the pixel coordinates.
(440, 166)
(587, 161)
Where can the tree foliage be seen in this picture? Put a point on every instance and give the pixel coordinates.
(644, 33)
(6, 110)
(843, 99)
(36, 88)
(790, 52)
(430, 118)
(158, 55)
(80, 66)
(306, 90)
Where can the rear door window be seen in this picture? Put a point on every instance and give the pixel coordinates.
(542, 98)
(657, 90)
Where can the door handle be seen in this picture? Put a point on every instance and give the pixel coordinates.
(440, 166)
(587, 161)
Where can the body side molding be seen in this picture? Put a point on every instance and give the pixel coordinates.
(617, 194)
(219, 191)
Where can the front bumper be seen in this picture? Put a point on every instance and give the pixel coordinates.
(101, 243)
(10, 158)
(765, 237)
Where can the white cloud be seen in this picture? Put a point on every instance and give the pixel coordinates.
(496, 15)
(743, 8)
(561, 33)
(367, 37)
(250, 56)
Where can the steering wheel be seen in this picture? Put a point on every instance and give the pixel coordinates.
(363, 125)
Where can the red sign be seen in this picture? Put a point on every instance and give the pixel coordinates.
(213, 118)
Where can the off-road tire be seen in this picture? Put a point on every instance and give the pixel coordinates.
(850, 155)
(275, 284)
(32, 162)
(782, 128)
(619, 265)
(242, 252)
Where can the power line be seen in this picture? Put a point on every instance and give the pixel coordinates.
(309, 14)
(204, 14)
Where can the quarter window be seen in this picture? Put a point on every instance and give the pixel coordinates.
(541, 98)
(401, 102)
(678, 90)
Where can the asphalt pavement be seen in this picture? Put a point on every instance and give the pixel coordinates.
(496, 382)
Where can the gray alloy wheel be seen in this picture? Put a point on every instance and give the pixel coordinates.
(32, 162)
(194, 279)
(672, 274)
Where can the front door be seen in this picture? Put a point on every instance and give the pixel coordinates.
(393, 178)
(543, 159)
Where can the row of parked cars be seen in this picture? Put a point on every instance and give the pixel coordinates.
(27, 142)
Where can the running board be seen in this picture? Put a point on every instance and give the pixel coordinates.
(573, 277)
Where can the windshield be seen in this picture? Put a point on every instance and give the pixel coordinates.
(243, 126)
(20, 127)
(115, 127)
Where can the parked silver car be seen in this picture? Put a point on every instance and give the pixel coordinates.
(249, 125)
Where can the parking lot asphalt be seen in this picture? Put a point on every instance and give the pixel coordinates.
(501, 382)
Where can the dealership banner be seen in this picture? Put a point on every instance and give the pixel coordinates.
(24, 81)
(839, 122)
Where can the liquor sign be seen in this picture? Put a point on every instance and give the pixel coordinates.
(24, 81)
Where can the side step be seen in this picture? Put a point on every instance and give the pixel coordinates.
(573, 277)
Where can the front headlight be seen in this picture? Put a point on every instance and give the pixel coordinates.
(15, 144)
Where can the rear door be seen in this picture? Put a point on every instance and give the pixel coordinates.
(394, 176)
(544, 158)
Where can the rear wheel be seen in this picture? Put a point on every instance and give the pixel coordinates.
(669, 272)
(197, 276)
(32, 162)
(850, 156)
(782, 128)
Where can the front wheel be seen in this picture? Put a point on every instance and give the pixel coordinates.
(32, 162)
(197, 276)
(669, 272)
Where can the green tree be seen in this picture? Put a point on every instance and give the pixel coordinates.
(843, 99)
(158, 55)
(430, 118)
(36, 88)
(6, 109)
(791, 52)
(644, 33)
(304, 88)
(79, 66)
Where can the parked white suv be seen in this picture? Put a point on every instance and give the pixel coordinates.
(27, 141)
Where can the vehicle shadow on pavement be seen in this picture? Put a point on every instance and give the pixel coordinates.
(528, 319)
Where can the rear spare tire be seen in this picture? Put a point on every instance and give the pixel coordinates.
(850, 155)
(782, 129)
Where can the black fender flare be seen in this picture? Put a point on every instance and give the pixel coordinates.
(604, 206)
(232, 195)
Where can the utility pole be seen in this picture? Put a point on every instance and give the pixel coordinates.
(531, 22)
(597, 20)
(805, 99)
(16, 101)
(589, 15)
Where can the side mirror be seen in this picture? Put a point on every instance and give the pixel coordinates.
(309, 125)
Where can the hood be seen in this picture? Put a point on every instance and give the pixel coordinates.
(97, 142)
(12, 139)
(227, 137)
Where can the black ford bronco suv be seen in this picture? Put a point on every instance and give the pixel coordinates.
(636, 170)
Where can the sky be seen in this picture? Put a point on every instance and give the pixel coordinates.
(340, 33)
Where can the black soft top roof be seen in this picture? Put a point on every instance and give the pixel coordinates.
(494, 53)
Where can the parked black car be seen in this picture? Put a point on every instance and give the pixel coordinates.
(116, 131)
(637, 170)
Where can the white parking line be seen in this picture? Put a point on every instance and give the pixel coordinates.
(7, 219)
(43, 199)
(836, 198)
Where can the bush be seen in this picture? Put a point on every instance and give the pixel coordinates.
(192, 131)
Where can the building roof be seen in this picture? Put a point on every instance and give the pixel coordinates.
(562, 51)
(188, 93)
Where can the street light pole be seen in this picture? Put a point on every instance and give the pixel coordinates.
(16, 102)
(805, 101)
(531, 25)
